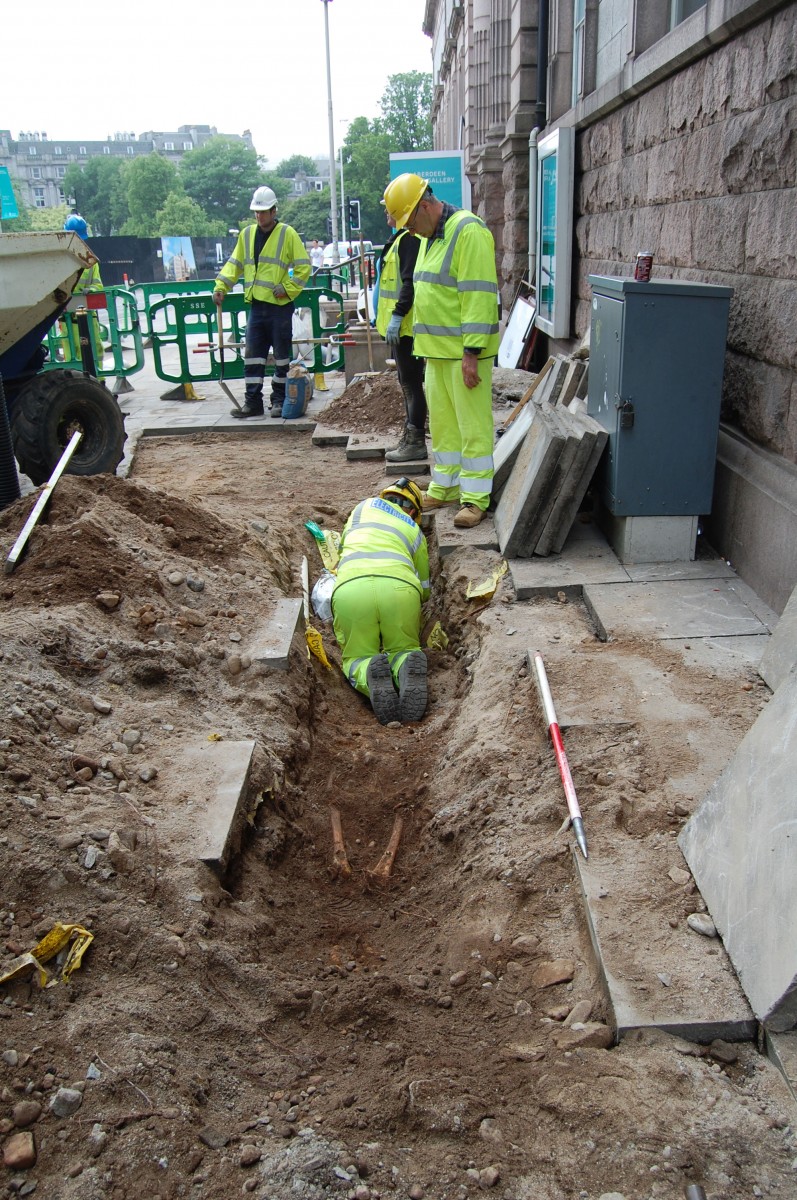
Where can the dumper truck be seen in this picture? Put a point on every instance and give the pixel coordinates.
(47, 404)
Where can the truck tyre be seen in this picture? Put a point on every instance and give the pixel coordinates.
(48, 410)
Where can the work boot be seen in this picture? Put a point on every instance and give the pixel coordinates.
(431, 503)
(468, 516)
(252, 408)
(412, 686)
(276, 410)
(384, 697)
(411, 448)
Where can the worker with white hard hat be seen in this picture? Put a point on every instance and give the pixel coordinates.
(275, 268)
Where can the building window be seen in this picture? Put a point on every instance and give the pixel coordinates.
(35, 172)
(61, 196)
(579, 23)
(38, 198)
(82, 150)
(31, 149)
(168, 145)
(60, 172)
(681, 9)
(106, 149)
(57, 150)
(188, 145)
(319, 185)
(130, 150)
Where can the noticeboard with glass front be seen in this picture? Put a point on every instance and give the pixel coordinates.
(554, 232)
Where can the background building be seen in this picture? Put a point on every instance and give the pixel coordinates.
(684, 116)
(37, 165)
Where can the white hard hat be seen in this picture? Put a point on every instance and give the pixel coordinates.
(263, 199)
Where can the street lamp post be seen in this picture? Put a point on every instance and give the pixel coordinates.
(332, 172)
(342, 198)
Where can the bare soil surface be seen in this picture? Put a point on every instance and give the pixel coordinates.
(285, 1032)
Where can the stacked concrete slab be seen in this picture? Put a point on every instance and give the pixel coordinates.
(544, 463)
(740, 845)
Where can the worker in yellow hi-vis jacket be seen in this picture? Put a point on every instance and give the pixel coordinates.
(455, 328)
(275, 267)
(382, 581)
(90, 281)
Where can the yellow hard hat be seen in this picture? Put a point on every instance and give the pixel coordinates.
(402, 195)
(407, 495)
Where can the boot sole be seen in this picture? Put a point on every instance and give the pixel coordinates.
(413, 687)
(384, 697)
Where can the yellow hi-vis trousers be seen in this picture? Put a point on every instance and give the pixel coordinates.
(461, 427)
(374, 614)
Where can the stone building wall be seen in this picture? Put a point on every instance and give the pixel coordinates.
(701, 170)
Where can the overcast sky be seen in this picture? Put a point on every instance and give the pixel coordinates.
(95, 67)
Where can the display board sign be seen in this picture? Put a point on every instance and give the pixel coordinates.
(554, 232)
(443, 169)
(8, 201)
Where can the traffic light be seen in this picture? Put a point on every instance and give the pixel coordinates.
(329, 228)
(354, 215)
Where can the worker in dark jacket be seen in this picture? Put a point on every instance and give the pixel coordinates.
(394, 316)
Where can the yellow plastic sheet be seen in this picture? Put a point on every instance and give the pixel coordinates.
(438, 638)
(486, 589)
(50, 945)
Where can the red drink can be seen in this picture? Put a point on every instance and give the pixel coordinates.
(644, 265)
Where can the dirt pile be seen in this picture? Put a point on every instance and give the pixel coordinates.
(370, 404)
(282, 1032)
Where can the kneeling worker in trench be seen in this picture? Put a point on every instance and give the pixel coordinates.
(382, 580)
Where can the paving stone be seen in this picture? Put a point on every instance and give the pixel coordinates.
(365, 446)
(589, 557)
(270, 649)
(740, 847)
(325, 435)
(671, 609)
(523, 506)
(781, 656)
(207, 787)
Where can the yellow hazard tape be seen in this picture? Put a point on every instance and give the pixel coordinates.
(50, 945)
(486, 589)
(316, 645)
(329, 550)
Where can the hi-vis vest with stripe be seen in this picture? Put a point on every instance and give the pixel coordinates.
(380, 539)
(390, 290)
(283, 249)
(456, 291)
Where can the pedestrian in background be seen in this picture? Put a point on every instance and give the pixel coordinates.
(275, 268)
(456, 330)
(316, 254)
(382, 581)
(394, 319)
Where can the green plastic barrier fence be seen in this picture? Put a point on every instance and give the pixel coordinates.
(185, 339)
(122, 334)
(150, 294)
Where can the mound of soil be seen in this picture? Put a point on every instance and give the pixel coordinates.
(280, 1030)
(370, 404)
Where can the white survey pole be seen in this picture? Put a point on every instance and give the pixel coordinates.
(333, 191)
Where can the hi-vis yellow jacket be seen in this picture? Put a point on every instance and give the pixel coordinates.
(390, 289)
(90, 280)
(282, 252)
(456, 291)
(380, 539)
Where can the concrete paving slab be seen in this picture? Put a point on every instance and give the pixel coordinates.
(325, 435)
(670, 609)
(508, 445)
(740, 845)
(419, 467)
(703, 1001)
(524, 499)
(697, 568)
(570, 493)
(449, 538)
(207, 786)
(781, 655)
(362, 445)
(271, 647)
(587, 557)
(578, 485)
(722, 655)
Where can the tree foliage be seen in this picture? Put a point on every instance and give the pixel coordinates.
(406, 111)
(99, 193)
(308, 215)
(149, 181)
(182, 217)
(221, 177)
(297, 164)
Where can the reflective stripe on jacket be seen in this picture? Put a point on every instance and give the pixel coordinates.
(390, 289)
(90, 279)
(456, 291)
(282, 251)
(380, 539)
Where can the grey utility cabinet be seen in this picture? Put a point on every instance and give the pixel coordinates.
(657, 353)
